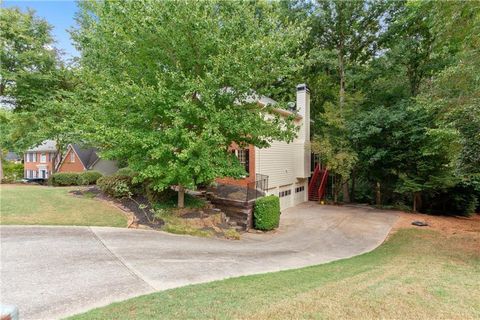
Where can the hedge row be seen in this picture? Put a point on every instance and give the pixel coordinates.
(74, 178)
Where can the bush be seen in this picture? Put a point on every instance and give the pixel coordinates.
(117, 186)
(64, 179)
(461, 199)
(12, 171)
(88, 177)
(267, 213)
(126, 172)
(163, 196)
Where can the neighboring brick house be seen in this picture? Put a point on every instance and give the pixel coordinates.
(79, 159)
(287, 166)
(40, 162)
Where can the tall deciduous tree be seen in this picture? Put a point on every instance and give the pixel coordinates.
(351, 30)
(27, 56)
(454, 93)
(5, 128)
(171, 83)
(33, 81)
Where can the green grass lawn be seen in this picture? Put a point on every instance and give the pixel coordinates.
(31, 204)
(416, 274)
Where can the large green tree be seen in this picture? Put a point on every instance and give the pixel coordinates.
(27, 57)
(34, 82)
(345, 36)
(454, 93)
(171, 84)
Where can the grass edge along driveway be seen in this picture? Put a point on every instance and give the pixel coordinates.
(415, 274)
(41, 205)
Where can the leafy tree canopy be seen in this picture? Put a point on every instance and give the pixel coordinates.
(170, 84)
(27, 56)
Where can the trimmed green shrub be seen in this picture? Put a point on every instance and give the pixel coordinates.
(266, 213)
(64, 179)
(88, 177)
(12, 171)
(117, 186)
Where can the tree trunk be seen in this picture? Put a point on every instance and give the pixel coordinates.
(352, 189)
(181, 197)
(346, 192)
(341, 102)
(417, 201)
(378, 195)
(58, 156)
(1, 166)
(341, 72)
(414, 209)
(335, 191)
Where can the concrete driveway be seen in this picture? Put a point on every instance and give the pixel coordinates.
(52, 272)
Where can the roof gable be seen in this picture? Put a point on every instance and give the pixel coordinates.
(88, 156)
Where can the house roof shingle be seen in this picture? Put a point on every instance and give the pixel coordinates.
(12, 156)
(47, 145)
(88, 156)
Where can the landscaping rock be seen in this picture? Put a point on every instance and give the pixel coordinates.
(420, 223)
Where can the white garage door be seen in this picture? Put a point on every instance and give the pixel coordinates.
(285, 194)
(300, 192)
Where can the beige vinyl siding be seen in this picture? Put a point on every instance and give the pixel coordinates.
(287, 165)
(280, 163)
(277, 162)
(284, 163)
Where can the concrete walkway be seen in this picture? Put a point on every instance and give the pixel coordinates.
(52, 272)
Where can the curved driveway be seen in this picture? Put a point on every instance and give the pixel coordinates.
(51, 272)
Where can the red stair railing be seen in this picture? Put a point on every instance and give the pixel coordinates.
(323, 185)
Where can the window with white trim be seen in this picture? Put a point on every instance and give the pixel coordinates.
(43, 158)
(243, 157)
(72, 156)
(34, 157)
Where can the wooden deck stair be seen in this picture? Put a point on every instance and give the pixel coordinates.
(318, 184)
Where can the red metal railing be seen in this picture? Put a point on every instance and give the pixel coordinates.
(323, 185)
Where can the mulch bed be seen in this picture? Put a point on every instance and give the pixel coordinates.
(206, 219)
(141, 216)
